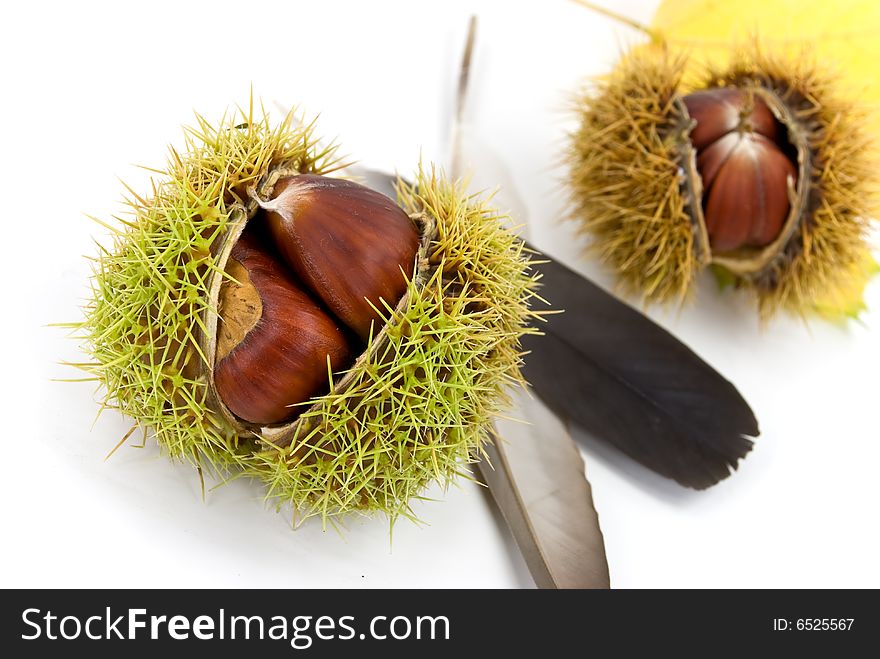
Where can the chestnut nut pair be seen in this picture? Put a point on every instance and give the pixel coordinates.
(745, 163)
(306, 282)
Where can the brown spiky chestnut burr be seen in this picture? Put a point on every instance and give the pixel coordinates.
(759, 170)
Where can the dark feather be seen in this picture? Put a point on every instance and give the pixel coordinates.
(611, 370)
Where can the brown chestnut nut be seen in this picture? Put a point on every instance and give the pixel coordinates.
(744, 167)
(746, 199)
(273, 341)
(351, 246)
(724, 109)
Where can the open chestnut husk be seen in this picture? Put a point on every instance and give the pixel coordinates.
(760, 171)
(260, 315)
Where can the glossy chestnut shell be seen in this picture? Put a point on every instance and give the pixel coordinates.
(308, 281)
(746, 166)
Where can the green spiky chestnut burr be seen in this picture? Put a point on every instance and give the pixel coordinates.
(759, 171)
(261, 317)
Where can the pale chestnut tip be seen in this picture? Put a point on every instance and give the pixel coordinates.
(352, 246)
(744, 167)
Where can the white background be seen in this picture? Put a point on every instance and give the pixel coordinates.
(92, 89)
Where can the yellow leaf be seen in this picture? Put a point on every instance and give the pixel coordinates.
(847, 299)
(843, 36)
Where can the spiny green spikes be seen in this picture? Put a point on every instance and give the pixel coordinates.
(151, 289)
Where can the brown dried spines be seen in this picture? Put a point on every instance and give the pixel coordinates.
(626, 190)
(789, 221)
